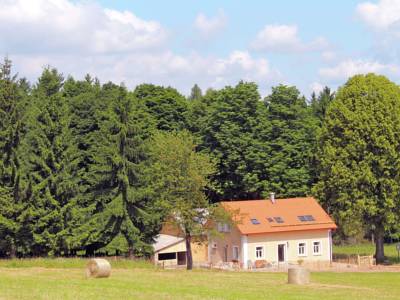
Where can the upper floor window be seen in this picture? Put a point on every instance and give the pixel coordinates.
(223, 227)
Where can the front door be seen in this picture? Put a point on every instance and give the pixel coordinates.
(226, 253)
(281, 252)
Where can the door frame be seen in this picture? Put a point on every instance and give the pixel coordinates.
(285, 251)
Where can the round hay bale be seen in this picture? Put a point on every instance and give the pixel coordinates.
(298, 276)
(98, 268)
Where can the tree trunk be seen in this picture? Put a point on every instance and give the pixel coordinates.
(379, 250)
(130, 251)
(189, 258)
(13, 250)
(89, 251)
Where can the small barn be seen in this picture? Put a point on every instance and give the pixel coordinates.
(170, 248)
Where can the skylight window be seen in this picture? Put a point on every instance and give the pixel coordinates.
(309, 218)
(255, 221)
(306, 218)
(279, 220)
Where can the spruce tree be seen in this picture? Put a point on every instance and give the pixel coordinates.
(195, 93)
(12, 102)
(48, 165)
(120, 204)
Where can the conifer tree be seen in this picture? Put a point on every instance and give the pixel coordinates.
(48, 168)
(195, 93)
(120, 203)
(12, 100)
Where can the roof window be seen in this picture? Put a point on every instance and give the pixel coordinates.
(255, 221)
(279, 220)
(306, 218)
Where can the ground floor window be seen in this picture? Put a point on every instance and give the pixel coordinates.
(317, 248)
(302, 249)
(166, 256)
(259, 252)
(235, 254)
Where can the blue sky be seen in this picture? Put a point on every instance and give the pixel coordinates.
(306, 43)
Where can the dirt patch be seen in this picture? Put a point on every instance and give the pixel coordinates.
(338, 286)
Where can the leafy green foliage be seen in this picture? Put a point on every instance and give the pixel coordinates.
(166, 105)
(359, 156)
(231, 134)
(180, 175)
(291, 139)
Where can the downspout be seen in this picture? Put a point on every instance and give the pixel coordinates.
(245, 253)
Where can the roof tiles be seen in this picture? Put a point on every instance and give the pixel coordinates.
(287, 210)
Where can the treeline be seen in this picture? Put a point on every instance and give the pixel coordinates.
(75, 156)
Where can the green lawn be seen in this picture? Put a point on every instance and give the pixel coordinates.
(366, 249)
(141, 281)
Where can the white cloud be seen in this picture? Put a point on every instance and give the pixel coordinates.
(316, 87)
(83, 37)
(380, 16)
(209, 26)
(349, 67)
(328, 55)
(62, 25)
(164, 68)
(284, 38)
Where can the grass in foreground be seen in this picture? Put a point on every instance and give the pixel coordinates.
(367, 249)
(74, 263)
(148, 283)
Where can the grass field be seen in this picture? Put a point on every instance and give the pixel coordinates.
(65, 279)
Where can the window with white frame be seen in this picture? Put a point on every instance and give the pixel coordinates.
(235, 254)
(227, 228)
(259, 252)
(302, 249)
(223, 227)
(317, 250)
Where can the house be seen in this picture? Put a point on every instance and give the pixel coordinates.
(273, 231)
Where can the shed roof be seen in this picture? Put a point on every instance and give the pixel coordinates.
(285, 215)
(163, 241)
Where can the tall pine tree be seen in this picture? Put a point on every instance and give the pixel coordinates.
(12, 102)
(48, 168)
(120, 204)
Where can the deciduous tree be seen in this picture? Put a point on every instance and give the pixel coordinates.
(359, 156)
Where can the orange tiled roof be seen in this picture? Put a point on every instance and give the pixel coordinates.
(287, 209)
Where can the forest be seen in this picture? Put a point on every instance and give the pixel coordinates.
(79, 159)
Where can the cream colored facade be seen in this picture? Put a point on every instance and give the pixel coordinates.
(274, 248)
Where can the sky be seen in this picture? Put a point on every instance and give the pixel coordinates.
(308, 43)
